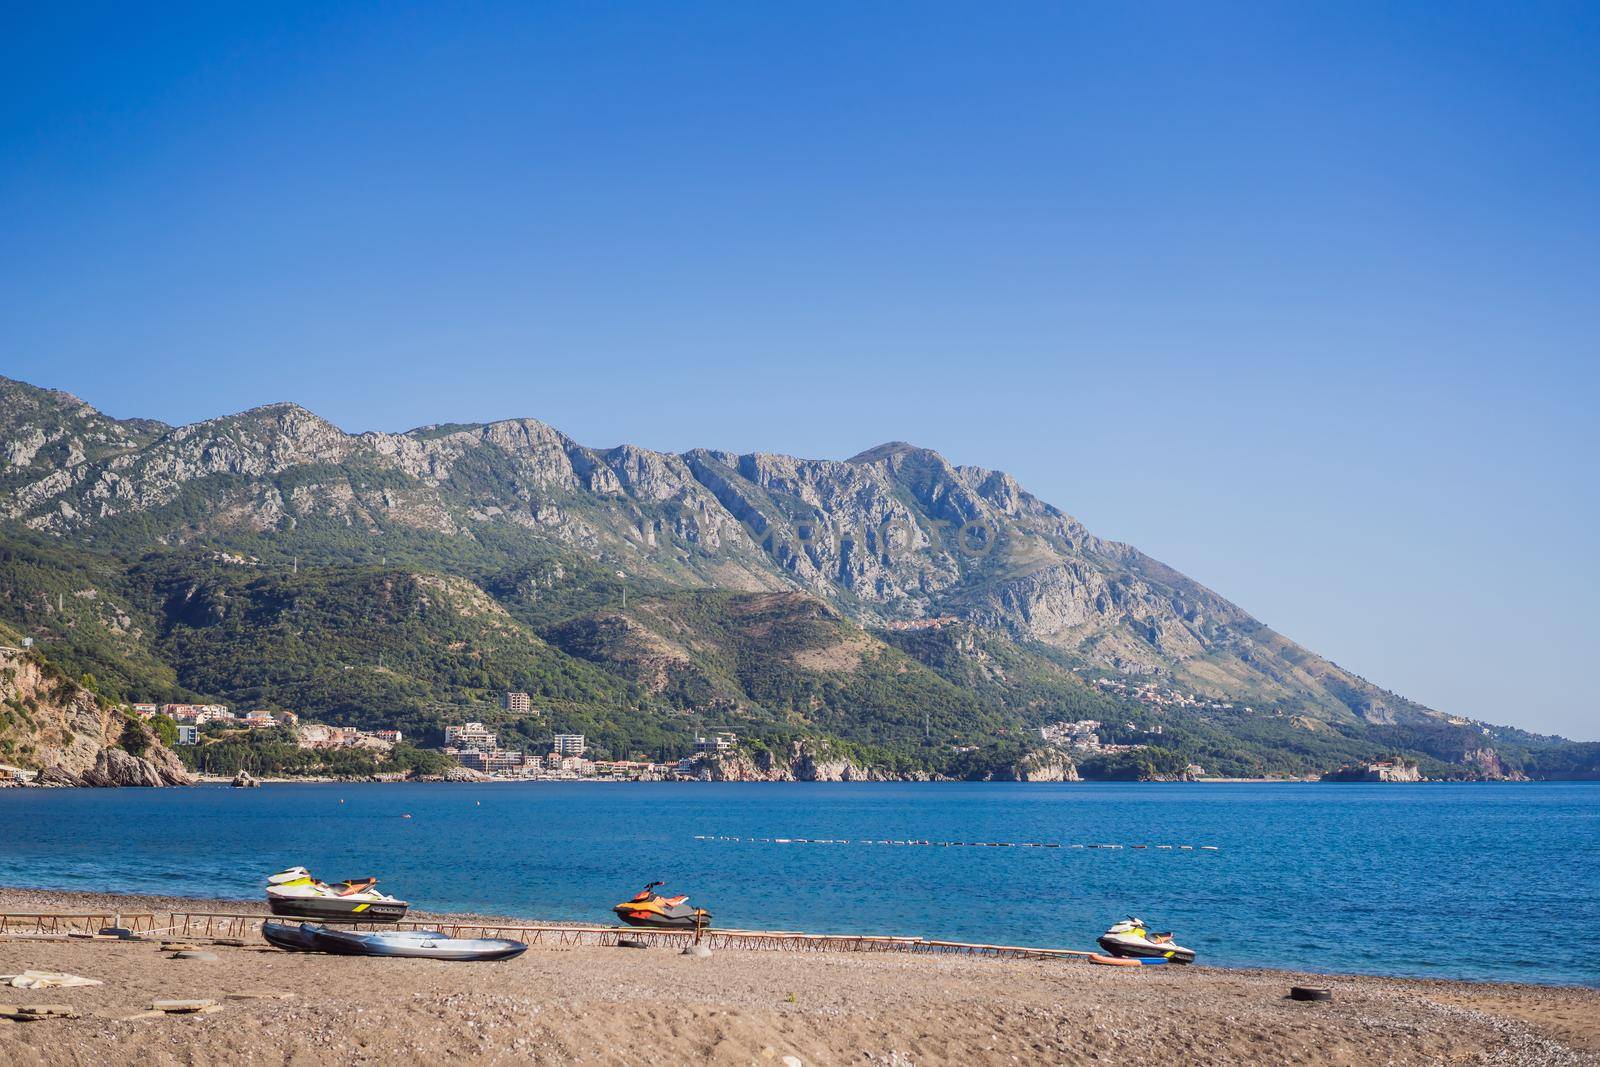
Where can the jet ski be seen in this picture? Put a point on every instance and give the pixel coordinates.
(1131, 939)
(406, 944)
(651, 909)
(295, 892)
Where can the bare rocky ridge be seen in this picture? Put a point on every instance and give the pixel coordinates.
(894, 534)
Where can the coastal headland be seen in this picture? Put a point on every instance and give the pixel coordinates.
(562, 1004)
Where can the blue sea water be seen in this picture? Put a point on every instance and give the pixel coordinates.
(1468, 881)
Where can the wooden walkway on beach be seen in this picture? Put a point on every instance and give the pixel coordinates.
(221, 924)
(77, 922)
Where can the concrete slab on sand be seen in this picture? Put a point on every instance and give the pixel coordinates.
(29, 1012)
(179, 1007)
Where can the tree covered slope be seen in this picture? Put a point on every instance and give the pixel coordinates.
(892, 600)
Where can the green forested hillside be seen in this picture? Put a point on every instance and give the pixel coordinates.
(374, 645)
(784, 660)
(928, 614)
(77, 601)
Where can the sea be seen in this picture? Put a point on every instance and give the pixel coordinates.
(1496, 881)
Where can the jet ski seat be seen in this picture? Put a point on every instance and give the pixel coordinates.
(647, 896)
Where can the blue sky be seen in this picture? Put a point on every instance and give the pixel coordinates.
(1300, 298)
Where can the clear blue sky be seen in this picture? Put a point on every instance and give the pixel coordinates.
(1303, 299)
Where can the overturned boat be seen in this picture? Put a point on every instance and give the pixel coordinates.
(404, 944)
(295, 892)
(650, 909)
(291, 937)
(1131, 939)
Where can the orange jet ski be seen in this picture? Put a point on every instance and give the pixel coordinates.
(650, 909)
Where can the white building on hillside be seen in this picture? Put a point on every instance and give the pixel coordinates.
(474, 736)
(720, 742)
(567, 744)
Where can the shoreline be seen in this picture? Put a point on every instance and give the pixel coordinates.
(595, 1004)
(26, 899)
(217, 779)
(397, 779)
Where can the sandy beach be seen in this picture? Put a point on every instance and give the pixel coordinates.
(632, 1006)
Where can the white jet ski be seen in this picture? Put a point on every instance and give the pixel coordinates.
(1131, 939)
(295, 892)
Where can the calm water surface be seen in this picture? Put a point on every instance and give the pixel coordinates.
(1472, 881)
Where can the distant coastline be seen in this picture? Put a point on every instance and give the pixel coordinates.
(1091, 783)
(216, 781)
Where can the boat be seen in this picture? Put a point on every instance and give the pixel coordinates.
(302, 937)
(1118, 961)
(1132, 939)
(650, 909)
(291, 937)
(416, 944)
(403, 944)
(295, 892)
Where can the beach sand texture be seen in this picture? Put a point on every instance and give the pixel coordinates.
(655, 1006)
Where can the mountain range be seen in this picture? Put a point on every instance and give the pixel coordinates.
(922, 612)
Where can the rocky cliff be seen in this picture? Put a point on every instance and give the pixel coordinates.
(1044, 765)
(814, 761)
(51, 724)
(1391, 770)
(800, 761)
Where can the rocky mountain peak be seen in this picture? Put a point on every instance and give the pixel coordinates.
(283, 420)
(12, 391)
(48, 429)
(283, 410)
(887, 450)
(893, 535)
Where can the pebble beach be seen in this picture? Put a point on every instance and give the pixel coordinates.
(589, 1004)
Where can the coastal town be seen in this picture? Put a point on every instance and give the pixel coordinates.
(1083, 736)
(475, 748)
(1153, 695)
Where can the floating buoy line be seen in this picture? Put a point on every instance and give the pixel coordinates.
(943, 844)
